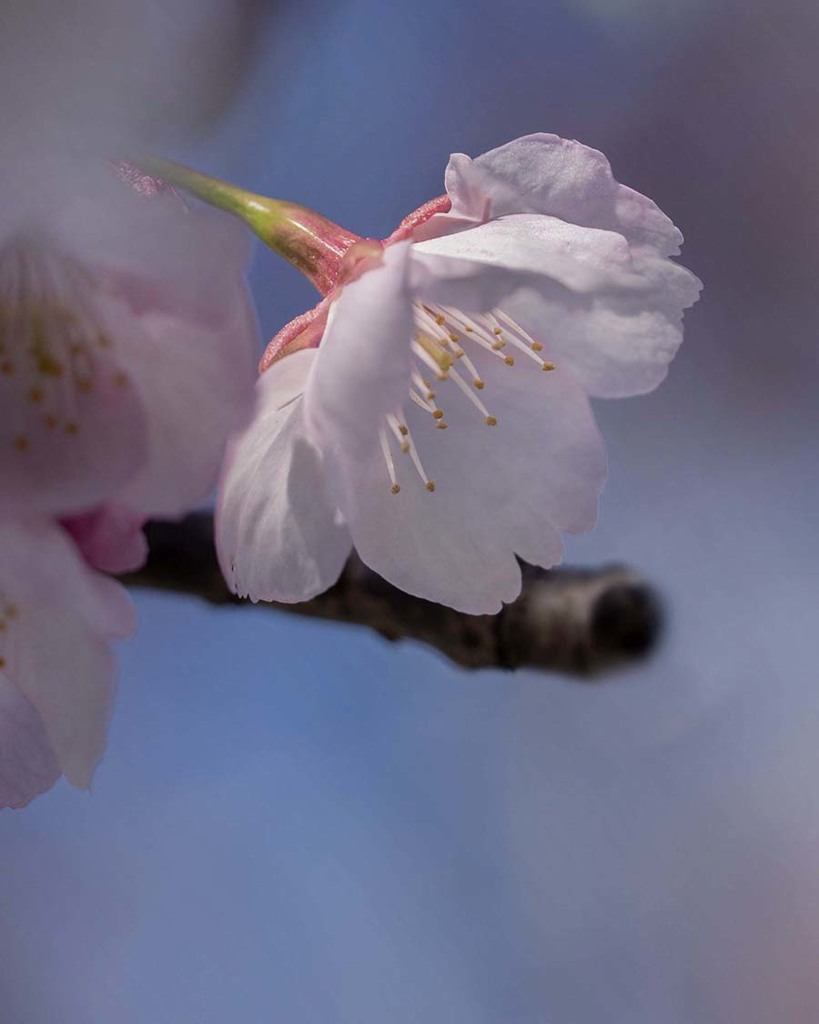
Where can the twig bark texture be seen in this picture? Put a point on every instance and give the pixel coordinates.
(582, 622)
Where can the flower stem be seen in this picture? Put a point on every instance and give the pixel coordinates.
(311, 243)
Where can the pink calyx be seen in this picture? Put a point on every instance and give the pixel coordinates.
(307, 329)
(343, 261)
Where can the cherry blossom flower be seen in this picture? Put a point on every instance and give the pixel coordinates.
(57, 618)
(127, 345)
(410, 415)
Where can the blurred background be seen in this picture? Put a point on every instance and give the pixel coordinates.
(299, 822)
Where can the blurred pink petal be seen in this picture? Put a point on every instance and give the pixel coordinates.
(128, 347)
(110, 538)
(57, 618)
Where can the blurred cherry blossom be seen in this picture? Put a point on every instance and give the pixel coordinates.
(127, 344)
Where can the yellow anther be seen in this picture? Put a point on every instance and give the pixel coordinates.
(405, 447)
(438, 414)
(491, 421)
(536, 346)
(509, 360)
(549, 366)
(436, 351)
(395, 488)
(479, 384)
(441, 425)
(430, 485)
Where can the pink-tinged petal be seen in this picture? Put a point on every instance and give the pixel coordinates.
(462, 283)
(28, 765)
(277, 534)
(71, 429)
(305, 331)
(57, 617)
(583, 259)
(70, 681)
(613, 316)
(618, 342)
(196, 386)
(412, 225)
(110, 538)
(560, 178)
(500, 491)
(364, 369)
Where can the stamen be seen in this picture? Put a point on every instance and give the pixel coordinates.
(423, 386)
(419, 401)
(400, 432)
(408, 447)
(439, 343)
(427, 359)
(476, 377)
(522, 340)
(470, 394)
(435, 350)
(395, 487)
(477, 330)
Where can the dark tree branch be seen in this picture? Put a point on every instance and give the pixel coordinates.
(579, 621)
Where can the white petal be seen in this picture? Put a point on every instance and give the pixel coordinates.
(277, 533)
(618, 342)
(363, 367)
(499, 490)
(613, 316)
(58, 616)
(582, 259)
(561, 178)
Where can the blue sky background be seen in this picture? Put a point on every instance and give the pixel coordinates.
(299, 822)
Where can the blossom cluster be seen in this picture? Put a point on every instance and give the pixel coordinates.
(432, 411)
